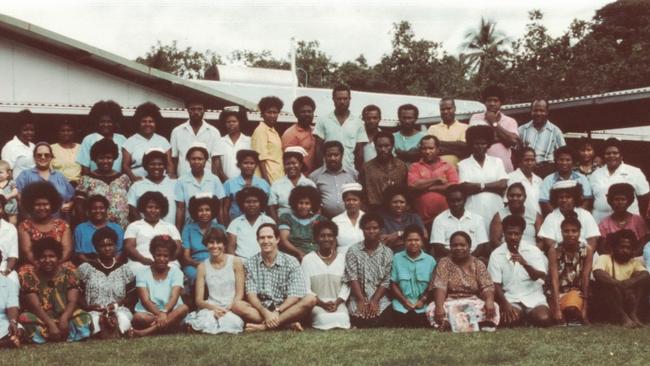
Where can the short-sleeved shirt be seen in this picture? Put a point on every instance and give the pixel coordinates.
(330, 185)
(455, 132)
(18, 155)
(458, 283)
(192, 238)
(8, 243)
(301, 233)
(142, 232)
(446, 224)
(429, 204)
(544, 141)
(160, 291)
(268, 144)
(227, 150)
(83, 157)
(83, 237)
(137, 145)
(102, 287)
(551, 179)
(183, 137)
(236, 184)
(601, 180)
(274, 284)
(412, 276)
(281, 190)
(376, 177)
(407, 143)
(392, 224)
(531, 186)
(485, 204)
(298, 136)
(619, 271)
(635, 223)
(246, 234)
(187, 187)
(349, 234)
(58, 180)
(166, 187)
(551, 227)
(349, 133)
(517, 285)
(498, 149)
(371, 270)
(65, 161)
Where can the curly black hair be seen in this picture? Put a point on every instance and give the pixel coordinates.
(245, 192)
(147, 109)
(106, 108)
(163, 241)
(301, 192)
(41, 245)
(156, 197)
(195, 203)
(37, 190)
(102, 147)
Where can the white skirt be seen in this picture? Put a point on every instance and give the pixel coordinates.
(204, 321)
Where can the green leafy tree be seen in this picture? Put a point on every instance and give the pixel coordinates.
(186, 63)
(485, 46)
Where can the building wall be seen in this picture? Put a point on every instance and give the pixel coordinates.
(30, 75)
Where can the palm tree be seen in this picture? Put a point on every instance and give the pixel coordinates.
(484, 45)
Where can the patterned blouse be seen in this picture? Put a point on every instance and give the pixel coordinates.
(458, 283)
(52, 294)
(102, 288)
(570, 269)
(371, 270)
(59, 227)
(115, 192)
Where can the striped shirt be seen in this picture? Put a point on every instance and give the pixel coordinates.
(544, 141)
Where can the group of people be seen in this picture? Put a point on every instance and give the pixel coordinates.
(340, 224)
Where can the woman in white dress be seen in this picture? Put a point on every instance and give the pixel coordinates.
(349, 232)
(223, 274)
(323, 271)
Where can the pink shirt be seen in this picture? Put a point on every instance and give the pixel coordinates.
(498, 149)
(635, 223)
(430, 204)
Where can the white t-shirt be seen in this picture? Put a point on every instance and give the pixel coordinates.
(19, 156)
(601, 180)
(8, 243)
(551, 227)
(348, 234)
(183, 137)
(227, 150)
(485, 204)
(143, 232)
(446, 224)
(532, 188)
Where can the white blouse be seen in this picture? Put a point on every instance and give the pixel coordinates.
(348, 234)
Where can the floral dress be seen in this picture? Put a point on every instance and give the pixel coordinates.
(59, 227)
(52, 296)
(115, 192)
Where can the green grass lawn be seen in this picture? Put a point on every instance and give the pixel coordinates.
(580, 346)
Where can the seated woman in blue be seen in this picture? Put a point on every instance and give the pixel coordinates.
(397, 216)
(97, 214)
(247, 162)
(160, 308)
(296, 227)
(203, 208)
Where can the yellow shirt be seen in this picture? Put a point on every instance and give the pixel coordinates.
(620, 272)
(65, 162)
(453, 133)
(267, 142)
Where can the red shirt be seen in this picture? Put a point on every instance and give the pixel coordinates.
(429, 204)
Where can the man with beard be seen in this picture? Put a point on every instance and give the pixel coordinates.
(516, 271)
(621, 279)
(450, 133)
(383, 171)
(301, 134)
(429, 177)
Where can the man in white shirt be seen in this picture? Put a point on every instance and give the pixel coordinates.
(193, 130)
(518, 271)
(19, 151)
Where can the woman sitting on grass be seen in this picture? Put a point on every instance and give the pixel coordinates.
(51, 298)
(296, 227)
(223, 276)
(462, 287)
(11, 333)
(160, 308)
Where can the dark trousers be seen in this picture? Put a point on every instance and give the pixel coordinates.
(385, 319)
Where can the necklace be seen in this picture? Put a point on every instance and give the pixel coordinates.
(326, 257)
(108, 267)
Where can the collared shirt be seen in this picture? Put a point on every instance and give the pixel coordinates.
(187, 187)
(276, 283)
(349, 234)
(551, 226)
(485, 203)
(551, 179)
(412, 276)
(83, 157)
(446, 224)
(377, 176)
(227, 150)
(65, 161)
(8, 243)
(267, 142)
(65, 189)
(498, 149)
(159, 290)
(619, 271)
(166, 187)
(330, 185)
(545, 140)
(351, 132)
(137, 145)
(601, 180)
(407, 143)
(298, 136)
(192, 238)
(83, 237)
(18, 155)
(246, 234)
(142, 232)
(517, 285)
(429, 204)
(234, 185)
(281, 189)
(183, 137)
(531, 186)
(371, 270)
(452, 133)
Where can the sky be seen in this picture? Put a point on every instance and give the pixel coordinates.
(344, 29)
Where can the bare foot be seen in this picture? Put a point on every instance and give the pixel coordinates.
(628, 323)
(251, 327)
(295, 326)
(636, 320)
(15, 341)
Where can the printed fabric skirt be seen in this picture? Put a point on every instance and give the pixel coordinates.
(464, 315)
(79, 326)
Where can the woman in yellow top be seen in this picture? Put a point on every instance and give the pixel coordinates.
(65, 153)
(267, 142)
